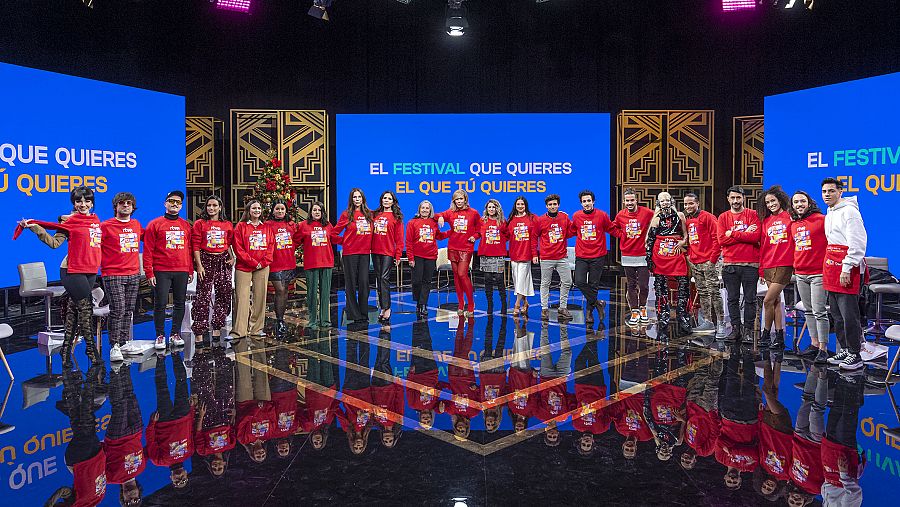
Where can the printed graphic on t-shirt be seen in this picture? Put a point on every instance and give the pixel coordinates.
(318, 238)
(178, 448)
(799, 471)
(555, 233)
(692, 433)
(491, 393)
(588, 231)
(802, 239)
(283, 240)
(96, 235)
(381, 226)
(774, 462)
(285, 421)
(521, 232)
(587, 413)
(426, 234)
(778, 233)
(520, 400)
(381, 415)
(100, 484)
(259, 428)
(633, 229)
(128, 242)
(175, 239)
(667, 247)
(665, 414)
(218, 440)
(555, 402)
(461, 401)
(426, 395)
(739, 226)
(492, 235)
(460, 225)
(362, 417)
(320, 416)
(693, 237)
(133, 461)
(362, 226)
(632, 420)
(258, 240)
(215, 238)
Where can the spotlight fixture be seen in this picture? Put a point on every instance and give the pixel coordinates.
(234, 5)
(457, 21)
(319, 9)
(738, 5)
(404, 1)
(88, 3)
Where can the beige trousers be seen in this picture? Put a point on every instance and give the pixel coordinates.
(246, 284)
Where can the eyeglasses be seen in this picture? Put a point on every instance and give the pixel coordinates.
(125, 203)
(176, 202)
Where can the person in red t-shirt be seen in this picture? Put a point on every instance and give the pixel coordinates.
(521, 378)
(356, 417)
(739, 233)
(776, 260)
(284, 260)
(316, 239)
(553, 231)
(806, 471)
(212, 383)
(422, 383)
(808, 238)
(704, 253)
(632, 224)
(592, 417)
(125, 458)
(386, 392)
(492, 374)
(737, 446)
(465, 393)
(842, 463)
(168, 266)
(84, 454)
(465, 229)
(254, 246)
(170, 435)
(522, 231)
(775, 439)
(554, 400)
(211, 238)
(589, 226)
(387, 248)
(492, 252)
(666, 240)
(355, 223)
(422, 235)
(120, 267)
(79, 274)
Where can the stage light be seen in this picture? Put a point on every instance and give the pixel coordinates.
(319, 9)
(404, 1)
(457, 21)
(88, 3)
(234, 5)
(738, 5)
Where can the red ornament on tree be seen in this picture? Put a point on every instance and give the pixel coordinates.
(276, 163)
(286, 177)
(270, 185)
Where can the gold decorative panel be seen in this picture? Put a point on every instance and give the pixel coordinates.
(304, 149)
(203, 135)
(747, 147)
(640, 138)
(689, 141)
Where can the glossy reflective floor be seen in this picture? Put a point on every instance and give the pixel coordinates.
(491, 410)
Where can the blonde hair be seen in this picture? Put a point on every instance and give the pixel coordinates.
(499, 210)
(459, 193)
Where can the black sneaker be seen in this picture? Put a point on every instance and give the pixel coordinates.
(852, 362)
(839, 357)
(821, 357)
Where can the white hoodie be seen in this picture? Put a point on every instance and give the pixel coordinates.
(844, 226)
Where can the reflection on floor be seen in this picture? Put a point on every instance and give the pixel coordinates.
(490, 410)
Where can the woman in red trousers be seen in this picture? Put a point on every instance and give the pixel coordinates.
(355, 223)
(254, 245)
(387, 248)
(465, 229)
(211, 238)
(776, 253)
(284, 260)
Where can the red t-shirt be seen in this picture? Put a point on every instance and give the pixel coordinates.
(553, 402)
(491, 386)
(319, 410)
(808, 237)
(84, 243)
(806, 465)
(167, 246)
(90, 481)
(664, 401)
(213, 236)
(552, 235)
(589, 417)
(286, 419)
(357, 233)
(590, 233)
(831, 452)
(254, 246)
(424, 398)
(631, 229)
(422, 235)
(628, 417)
(738, 445)
(213, 440)
(701, 430)
(521, 403)
(124, 458)
(465, 394)
(171, 442)
(353, 416)
(742, 246)
(388, 401)
(316, 240)
(703, 238)
(284, 256)
(387, 237)
(775, 451)
(256, 420)
(775, 247)
(493, 238)
(121, 247)
(464, 224)
(523, 238)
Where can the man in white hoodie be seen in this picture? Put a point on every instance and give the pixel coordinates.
(841, 276)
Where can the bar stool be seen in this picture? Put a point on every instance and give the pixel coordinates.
(33, 283)
(880, 325)
(892, 333)
(6, 332)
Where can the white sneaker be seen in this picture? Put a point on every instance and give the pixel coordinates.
(115, 354)
(160, 343)
(705, 327)
(176, 340)
(721, 330)
(634, 319)
(872, 351)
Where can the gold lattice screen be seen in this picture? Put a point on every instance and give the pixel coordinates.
(747, 146)
(205, 157)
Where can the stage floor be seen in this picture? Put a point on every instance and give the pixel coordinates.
(365, 369)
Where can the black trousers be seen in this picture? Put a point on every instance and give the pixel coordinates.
(78, 397)
(844, 416)
(847, 327)
(383, 264)
(177, 282)
(78, 285)
(421, 339)
(587, 277)
(422, 274)
(356, 285)
(737, 388)
(168, 409)
(735, 277)
(587, 358)
(382, 360)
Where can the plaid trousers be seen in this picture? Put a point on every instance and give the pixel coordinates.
(122, 292)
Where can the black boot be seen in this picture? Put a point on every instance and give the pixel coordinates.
(764, 339)
(65, 352)
(735, 334)
(489, 291)
(280, 328)
(778, 342)
(85, 315)
(748, 336)
(501, 290)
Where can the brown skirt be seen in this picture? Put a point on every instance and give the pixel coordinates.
(780, 274)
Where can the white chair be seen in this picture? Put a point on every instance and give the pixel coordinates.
(188, 320)
(880, 325)
(33, 283)
(892, 333)
(6, 332)
(100, 312)
(443, 264)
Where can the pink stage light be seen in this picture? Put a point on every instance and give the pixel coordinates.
(738, 5)
(234, 5)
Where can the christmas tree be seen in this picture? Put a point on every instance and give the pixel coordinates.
(274, 185)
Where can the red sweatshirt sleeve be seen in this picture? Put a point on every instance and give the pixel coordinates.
(411, 238)
(149, 249)
(240, 247)
(270, 250)
(712, 225)
(342, 223)
(195, 235)
(749, 237)
(477, 225)
(722, 228)
(535, 238)
(398, 240)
